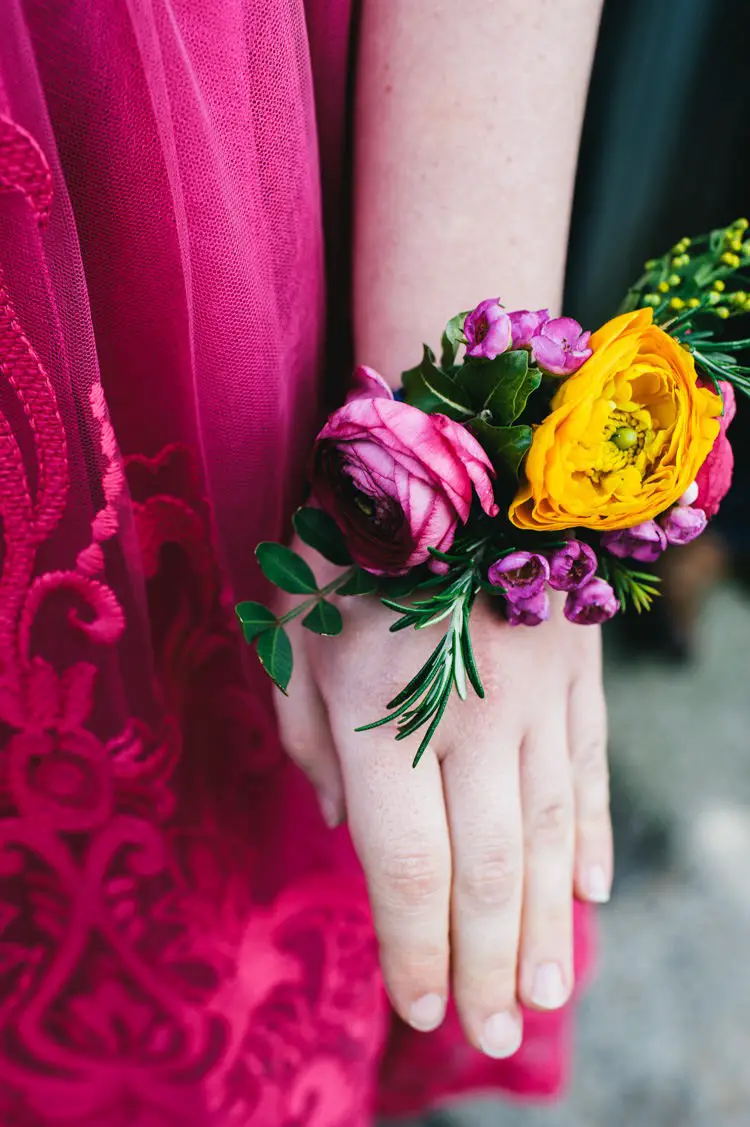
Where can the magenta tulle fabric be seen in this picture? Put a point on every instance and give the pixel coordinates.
(182, 942)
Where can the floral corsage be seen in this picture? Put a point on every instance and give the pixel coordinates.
(532, 456)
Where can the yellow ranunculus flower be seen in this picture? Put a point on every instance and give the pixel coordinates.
(626, 435)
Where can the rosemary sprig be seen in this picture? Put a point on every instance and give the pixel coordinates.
(451, 665)
(635, 588)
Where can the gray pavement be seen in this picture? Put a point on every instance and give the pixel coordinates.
(664, 1032)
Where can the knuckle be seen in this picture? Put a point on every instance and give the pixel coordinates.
(492, 880)
(409, 874)
(590, 757)
(552, 820)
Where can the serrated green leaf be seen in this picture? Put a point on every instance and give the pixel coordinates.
(275, 652)
(432, 391)
(452, 338)
(286, 569)
(502, 385)
(324, 618)
(506, 446)
(320, 531)
(255, 618)
(478, 379)
(361, 583)
(512, 391)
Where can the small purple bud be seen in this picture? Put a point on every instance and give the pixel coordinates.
(572, 566)
(438, 567)
(644, 542)
(528, 612)
(682, 524)
(521, 574)
(560, 347)
(487, 330)
(524, 325)
(591, 604)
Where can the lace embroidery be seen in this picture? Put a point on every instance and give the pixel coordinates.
(139, 985)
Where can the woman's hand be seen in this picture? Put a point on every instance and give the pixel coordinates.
(473, 857)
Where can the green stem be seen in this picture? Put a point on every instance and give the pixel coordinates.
(725, 346)
(329, 589)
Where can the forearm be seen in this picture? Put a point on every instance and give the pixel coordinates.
(467, 125)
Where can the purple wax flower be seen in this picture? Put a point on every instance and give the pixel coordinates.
(644, 542)
(528, 612)
(522, 575)
(524, 325)
(591, 604)
(682, 524)
(438, 567)
(572, 566)
(487, 330)
(560, 346)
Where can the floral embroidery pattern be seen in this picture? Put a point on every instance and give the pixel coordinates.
(139, 982)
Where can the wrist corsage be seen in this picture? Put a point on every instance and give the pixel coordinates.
(532, 456)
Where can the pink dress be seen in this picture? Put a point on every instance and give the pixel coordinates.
(182, 942)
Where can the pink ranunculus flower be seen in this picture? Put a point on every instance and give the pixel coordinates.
(591, 604)
(683, 524)
(487, 330)
(525, 324)
(397, 481)
(520, 574)
(644, 542)
(528, 612)
(368, 384)
(572, 566)
(560, 346)
(715, 475)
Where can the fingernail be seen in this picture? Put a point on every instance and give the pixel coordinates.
(329, 808)
(427, 1012)
(501, 1035)
(597, 885)
(549, 991)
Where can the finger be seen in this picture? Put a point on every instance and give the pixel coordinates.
(587, 724)
(306, 734)
(484, 812)
(546, 960)
(398, 825)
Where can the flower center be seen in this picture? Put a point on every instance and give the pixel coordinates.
(364, 503)
(527, 571)
(481, 328)
(624, 438)
(626, 443)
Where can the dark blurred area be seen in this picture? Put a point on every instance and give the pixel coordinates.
(665, 153)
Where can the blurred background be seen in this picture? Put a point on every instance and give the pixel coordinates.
(663, 1035)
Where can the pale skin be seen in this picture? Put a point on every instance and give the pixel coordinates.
(467, 124)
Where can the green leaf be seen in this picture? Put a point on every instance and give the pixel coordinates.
(432, 391)
(502, 385)
(452, 338)
(511, 394)
(275, 652)
(399, 586)
(320, 531)
(324, 618)
(506, 446)
(361, 583)
(286, 569)
(255, 618)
